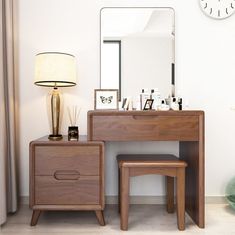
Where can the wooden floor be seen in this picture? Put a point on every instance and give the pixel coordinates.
(143, 220)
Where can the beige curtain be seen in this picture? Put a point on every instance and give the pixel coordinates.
(8, 188)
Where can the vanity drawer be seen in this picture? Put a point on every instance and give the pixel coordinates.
(145, 127)
(85, 160)
(85, 190)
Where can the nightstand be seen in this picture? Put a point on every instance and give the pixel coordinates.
(66, 175)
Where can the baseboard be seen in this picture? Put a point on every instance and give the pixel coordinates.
(24, 200)
(216, 200)
(137, 200)
(161, 200)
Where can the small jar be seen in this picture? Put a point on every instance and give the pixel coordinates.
(73, 133)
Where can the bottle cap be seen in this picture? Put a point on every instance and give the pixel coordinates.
(144, 90)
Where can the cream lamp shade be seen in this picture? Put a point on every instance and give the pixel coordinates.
(55, 69)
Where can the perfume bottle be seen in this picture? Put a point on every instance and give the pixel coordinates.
(73, 133)
(143, 97)
(156, 96)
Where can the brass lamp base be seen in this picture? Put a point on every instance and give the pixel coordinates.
(55, 112)
(55, 137)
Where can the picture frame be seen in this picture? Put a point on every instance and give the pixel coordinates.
(148, 104)
(106, 99)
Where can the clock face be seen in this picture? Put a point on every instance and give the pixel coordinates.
(218, 9)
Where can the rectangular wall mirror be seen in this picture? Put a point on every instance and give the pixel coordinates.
(137, 50)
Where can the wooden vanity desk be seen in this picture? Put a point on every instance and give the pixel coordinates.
(187, 127)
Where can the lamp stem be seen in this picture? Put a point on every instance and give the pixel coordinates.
(55, 111)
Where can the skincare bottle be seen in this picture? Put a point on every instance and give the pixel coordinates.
(143, 97)
(174, 104)
(156, 96)
(164, 106)
(180, 103)
(137, 103)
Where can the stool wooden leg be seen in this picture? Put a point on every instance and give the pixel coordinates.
(119, 191)
(170, 194)
(124, 197)
(180, 197)
(100, 217)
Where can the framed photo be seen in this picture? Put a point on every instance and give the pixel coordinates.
(106, 98)
(148, 104)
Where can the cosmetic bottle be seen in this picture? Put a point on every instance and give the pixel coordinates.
(156, 96)
(137, 103)
(164, 106)
(174, 103)
(143, 97)
(180, 103)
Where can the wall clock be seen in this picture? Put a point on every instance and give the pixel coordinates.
(218, 9)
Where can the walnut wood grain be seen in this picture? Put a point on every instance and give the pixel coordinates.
(35, 217)
(180, 198)
(143, 125)
(66, 175)
(124, 198)
(63, 158)
(121, 128)
(68, 207)
(135, 164)
(170, 194)
(50, 191)
(193, 153)
(184, 126)
(100, 217)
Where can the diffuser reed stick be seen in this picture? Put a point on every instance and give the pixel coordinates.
(74, 113)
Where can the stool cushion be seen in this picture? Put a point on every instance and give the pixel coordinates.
(153, 160)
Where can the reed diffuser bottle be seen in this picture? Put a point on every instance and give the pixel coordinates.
(73, 131)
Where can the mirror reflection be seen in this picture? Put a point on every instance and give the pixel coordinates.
(137, 50)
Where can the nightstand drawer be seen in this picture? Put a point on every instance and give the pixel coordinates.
(85, 160)
(84, 190)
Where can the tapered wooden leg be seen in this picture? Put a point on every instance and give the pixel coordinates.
(180, 198)
(100, 217)
(124, 197)
(170, 194)
(35, 216)
(119, 191)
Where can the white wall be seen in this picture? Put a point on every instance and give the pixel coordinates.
(205, 72)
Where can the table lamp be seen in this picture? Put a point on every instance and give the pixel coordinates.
(55, 69)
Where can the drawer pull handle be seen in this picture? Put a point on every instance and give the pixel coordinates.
(67, 175)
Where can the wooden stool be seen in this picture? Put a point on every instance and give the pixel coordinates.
(162, 164)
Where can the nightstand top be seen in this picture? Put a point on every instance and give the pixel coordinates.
(65, 138)
(81, 141)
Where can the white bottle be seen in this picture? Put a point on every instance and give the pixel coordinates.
(143, 97)
(156, 96)
(174, 105)
(137, 103)
(164, 106)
